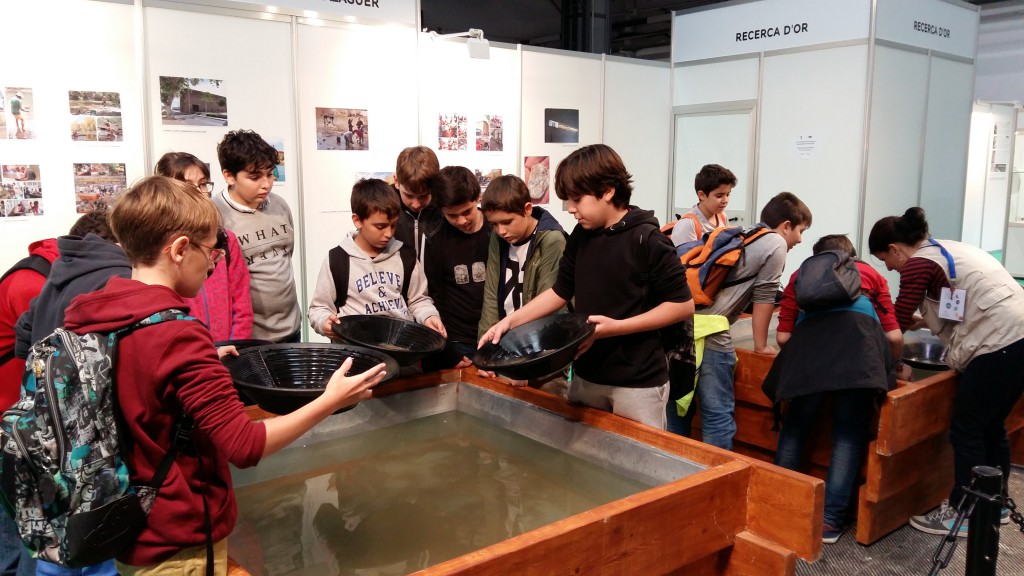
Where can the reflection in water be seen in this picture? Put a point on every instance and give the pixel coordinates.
(399, 499)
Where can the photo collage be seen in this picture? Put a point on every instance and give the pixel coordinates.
(95, 116)
(96, 185)
(20, 191)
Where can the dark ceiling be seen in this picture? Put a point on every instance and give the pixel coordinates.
(638, 28)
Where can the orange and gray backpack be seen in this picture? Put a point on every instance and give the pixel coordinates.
(709, 261)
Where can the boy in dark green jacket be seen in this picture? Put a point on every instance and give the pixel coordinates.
(524, 252)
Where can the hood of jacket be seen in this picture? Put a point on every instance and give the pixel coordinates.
(82, 256)
(633, 218)
(45, 248)
(120, 303)
(545, 221)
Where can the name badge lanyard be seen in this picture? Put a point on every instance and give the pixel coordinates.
(949, 260)
(951, 301)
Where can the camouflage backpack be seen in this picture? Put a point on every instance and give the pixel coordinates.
(63, 477)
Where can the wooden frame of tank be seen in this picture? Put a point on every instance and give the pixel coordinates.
(909, 464)
(739, 517)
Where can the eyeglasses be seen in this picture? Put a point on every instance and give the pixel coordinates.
(218, 250)
(205, 187)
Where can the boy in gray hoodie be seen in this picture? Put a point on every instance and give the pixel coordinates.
(376, 268)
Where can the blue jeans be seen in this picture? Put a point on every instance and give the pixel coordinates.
(851, 418)
(15, 560)
(716, 393)
(103, 569)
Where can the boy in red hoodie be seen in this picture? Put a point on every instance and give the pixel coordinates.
(168, 229)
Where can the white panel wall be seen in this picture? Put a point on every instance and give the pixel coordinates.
(183, 43)
(637, 124)
(718, 82)
(331, 77)
(724, 138)
(947, 130)
(36, 46)
(451, 82)
(819, 95)
(560, 81)
(895, 145)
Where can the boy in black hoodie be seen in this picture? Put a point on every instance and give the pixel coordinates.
(624, 274)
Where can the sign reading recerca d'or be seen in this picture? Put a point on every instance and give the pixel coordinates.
(767, 25)
(398, 11)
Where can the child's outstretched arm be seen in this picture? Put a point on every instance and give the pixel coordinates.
(341, 391)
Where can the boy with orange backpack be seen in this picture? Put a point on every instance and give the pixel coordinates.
(751, 274)
(713, 185)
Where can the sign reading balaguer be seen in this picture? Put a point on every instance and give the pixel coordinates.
(399, 11)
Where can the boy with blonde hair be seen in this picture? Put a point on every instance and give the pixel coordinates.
(168, 230)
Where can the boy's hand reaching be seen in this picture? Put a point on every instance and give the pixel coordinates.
(327, 330)
(435, 324)
(604, 327)
(494, 333)
(344, 390)
(227, 351)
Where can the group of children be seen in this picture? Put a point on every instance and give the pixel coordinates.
(432, 248)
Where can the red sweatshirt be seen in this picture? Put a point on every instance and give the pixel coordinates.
(872, 285)
(16, 292)
(161, 370)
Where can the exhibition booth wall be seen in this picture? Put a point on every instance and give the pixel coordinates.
(109, 86)
(860, 107)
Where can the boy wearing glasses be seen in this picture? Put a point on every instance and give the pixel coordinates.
(223, 303)
(168, 231)
(263, 223)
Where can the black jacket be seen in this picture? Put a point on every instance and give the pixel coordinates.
(620, 272)
(85, 265)
(828, 351)
(415, 228)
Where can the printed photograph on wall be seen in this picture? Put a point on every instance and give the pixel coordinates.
(452, 132)
(561, 125)
(96, 185)
(95, 116)
(3, 115)
(485, 176)
(20, 121)
(193, 102)
(21, 190)
(488, 134)
(388, 177)
(16, 208)
(536, 173)
(342, 129)
(279, 171)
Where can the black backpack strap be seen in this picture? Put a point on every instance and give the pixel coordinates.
(7, 357)
(30, 262)
(408, 256)
(337, 260)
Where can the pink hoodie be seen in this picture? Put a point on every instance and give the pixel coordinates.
(224, 303)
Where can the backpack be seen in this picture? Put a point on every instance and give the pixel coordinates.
(826, 280)
(63, 477)
(709, 261)
(30, 262)
(667, 228)
(338, 260)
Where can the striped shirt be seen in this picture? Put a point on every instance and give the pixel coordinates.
(919, 277)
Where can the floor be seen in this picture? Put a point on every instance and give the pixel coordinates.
(907, 551)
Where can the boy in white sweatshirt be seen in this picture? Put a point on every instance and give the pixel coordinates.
(377, 271)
